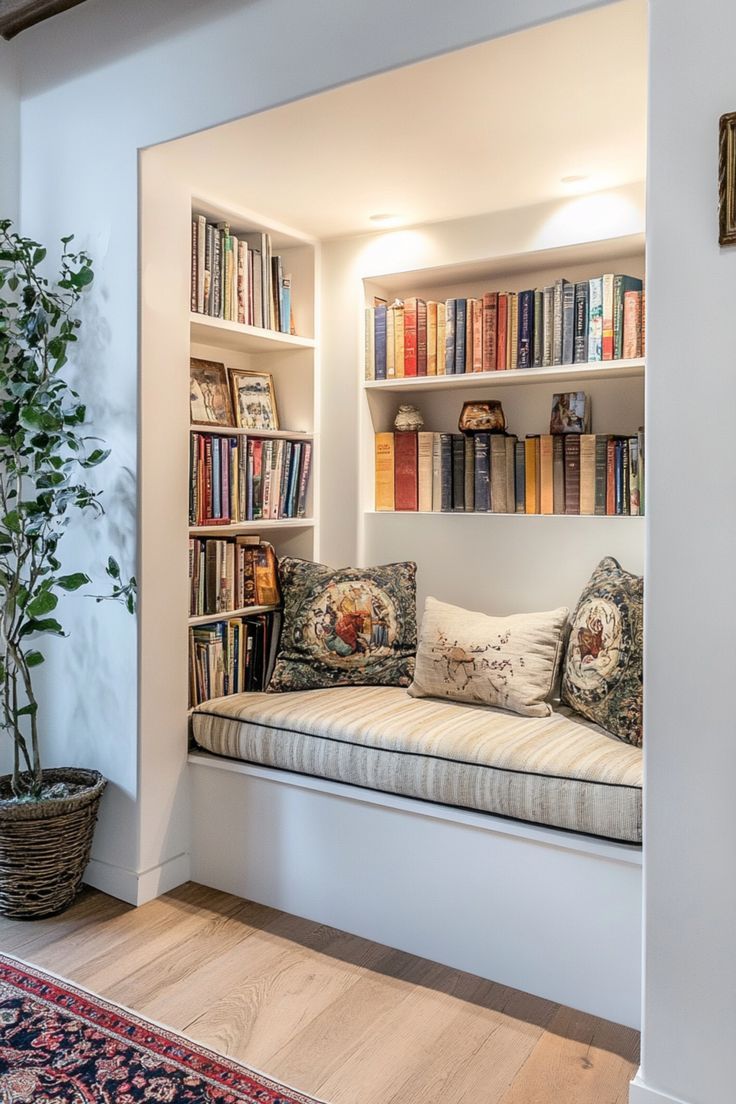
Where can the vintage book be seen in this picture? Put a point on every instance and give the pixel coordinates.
(570, 412)
(370, 343)
(611, 476)
(450, 313)
(520, 477)
(390, 344)
(399, 365)
(511, 441)
(587, 473)
(557, 321)
(446, 470)
(436, 472)
(568, 321)
(477, 335)
(421, 337)
(469, 334)
(490, 323)
(410, 338)
(469, 473)
(607, 316)
(558, 475)
(601, 463)
(595, 318)
(625, 477)
(512, 331)
(201, 247)
(458, 472)
(531, 480)
(643, 323)
(431, 338)
(193, 281)
(482, 471)
(425, 443)
(384, 477)
(537, 340)
(501, 330)
(580, 337)
(306, 467)
(546, 474)
(572, 473)
(526, 328)
(209, 260)
(405, 471)
(498, 474)
(265, 570)
(634, 500)
(631, 348)
(460, 326)
(441, 315)
(227, 298)
(640, 452)
(622, 286)
(548, 317)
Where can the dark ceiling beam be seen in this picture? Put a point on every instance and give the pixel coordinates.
(17, 15)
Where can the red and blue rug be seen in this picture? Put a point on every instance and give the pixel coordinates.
(61, 1045)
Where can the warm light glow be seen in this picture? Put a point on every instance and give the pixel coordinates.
(574, 178)
(590, 218)
(385, 218)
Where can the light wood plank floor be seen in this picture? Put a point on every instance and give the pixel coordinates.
(350, 1021)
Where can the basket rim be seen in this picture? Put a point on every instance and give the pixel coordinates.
(93, 781)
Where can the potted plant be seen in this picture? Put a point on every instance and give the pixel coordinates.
(47, 817)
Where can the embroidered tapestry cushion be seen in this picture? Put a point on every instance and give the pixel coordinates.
(347, 627)
(509, 662)
(602, 676)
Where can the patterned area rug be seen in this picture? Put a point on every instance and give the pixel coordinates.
(61, 1045)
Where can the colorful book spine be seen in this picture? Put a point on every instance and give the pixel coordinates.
(531, 475)
(477, 335)
(512, 332)
(502, 329)
(490, 323)
(607, 317)
(431, 339)
(595, 318)
(526, 329)
(587, 473)
(390, 344)
(580, 339)
(460, 324)
(410, 337)
(622, 286)
(441, 336)
(631, 349)
(380, 342)
(384, 471)
(546, 474)
(450, 313)
(538, 339)
(498, 474)
(601, 462)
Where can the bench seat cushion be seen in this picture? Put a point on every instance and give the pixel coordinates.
(559, 771)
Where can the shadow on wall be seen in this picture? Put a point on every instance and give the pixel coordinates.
(104, 31)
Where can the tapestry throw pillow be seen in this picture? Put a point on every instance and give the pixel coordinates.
(347, 627)
(602, 676)
(509, 662)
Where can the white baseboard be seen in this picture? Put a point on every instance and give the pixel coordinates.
(640, 1093)
(138, 886)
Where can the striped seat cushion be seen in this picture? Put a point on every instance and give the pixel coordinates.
(558, 771)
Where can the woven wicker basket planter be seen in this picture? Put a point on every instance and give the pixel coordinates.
(45, 845)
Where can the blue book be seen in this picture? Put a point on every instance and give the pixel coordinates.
(450, 336)
(482, 473)
(568, 321)
(286, 304)
(293, 480)
(216, 481)
(380, 342)
(460, 323)
(526, 329)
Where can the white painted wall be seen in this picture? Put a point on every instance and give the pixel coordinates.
(9, 132)
(690, 818)
(100, 82)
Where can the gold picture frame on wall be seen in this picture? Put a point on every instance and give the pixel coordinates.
(727, 179)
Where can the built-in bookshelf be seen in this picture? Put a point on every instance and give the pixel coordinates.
(222, 644)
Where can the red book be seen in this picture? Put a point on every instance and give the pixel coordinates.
(406, 471)
(421, 337)
(503, 307)
(490, 312)
(410, 338)
(611, 477)
(477, 335)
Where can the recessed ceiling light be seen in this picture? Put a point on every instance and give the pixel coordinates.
(384, 216)
(574, 178)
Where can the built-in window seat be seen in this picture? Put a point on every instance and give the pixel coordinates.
(557, 771)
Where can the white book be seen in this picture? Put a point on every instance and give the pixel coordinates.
(370, 343)
(201, 239)
(425, 444)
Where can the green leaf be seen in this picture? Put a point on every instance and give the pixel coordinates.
(113, 568)
(46, 624)
(39, 255)
(73, 582)
(34, 659)
(43, 603)
(27, 710)
(95, 457)
(12, 521)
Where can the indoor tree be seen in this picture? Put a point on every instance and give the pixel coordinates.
(44, 455)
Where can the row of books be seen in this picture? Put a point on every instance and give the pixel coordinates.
(234, 479)
(238, 278)
(232, 656)
(563, 323)
(575, 473)
(225, 575)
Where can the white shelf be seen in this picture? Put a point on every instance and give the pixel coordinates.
(226, 615)
(269, 434)
(492, 514)
(247, 339)
(251, 526)
(595, 370)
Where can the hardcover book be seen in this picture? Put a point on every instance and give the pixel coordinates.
(441, 314)
(431, 339)
(580, 339)
(490, 323)
(436, 472)
(595, 319)
(422, 351)
(390, 344)
(559, 286)
(520, 477)
(498, 474)
(469, 473)
(482, 472)
(558, 475)
(501, 331)
(548, 312)
(568, 321)
(531, 481)
(607, 317)
(572, 473)
(384, 477)
(410, 338)
(587, 473)
(538, 329)
(398, 313)
(460, 325)
(546, 480)
(622, 285)
(469, 334)
(512, 332)
(601, 461)
(526, 328)
(458, 472)
(632, 326)
(511, 441)
(446, 470)
(450, 313)
(425, 445)
(477, 335)
(405, 471)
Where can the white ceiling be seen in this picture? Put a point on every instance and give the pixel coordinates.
(488, 128)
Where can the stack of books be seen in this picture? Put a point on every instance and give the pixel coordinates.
(235, 479)
(232, 656)
(236, 277)
(225, 575)
(571, 473)
(563, 323)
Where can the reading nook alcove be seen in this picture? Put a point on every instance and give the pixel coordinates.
(280, 253)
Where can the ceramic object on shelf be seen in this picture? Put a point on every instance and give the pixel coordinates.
(408, 419)
(485, 416)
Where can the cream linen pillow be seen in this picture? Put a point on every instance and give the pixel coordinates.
(510, 662)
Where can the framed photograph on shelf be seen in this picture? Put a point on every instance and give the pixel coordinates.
(254, 399)
(727, 179)
(209, 393)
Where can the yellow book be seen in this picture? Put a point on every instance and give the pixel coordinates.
(530, 471)
(469, 335)
(425, 445)
(512, 329)
(587, 473)
(431, 339)
(441, 339)
(384, 471)
(399, 340)
(546, 482)
(390, 344)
